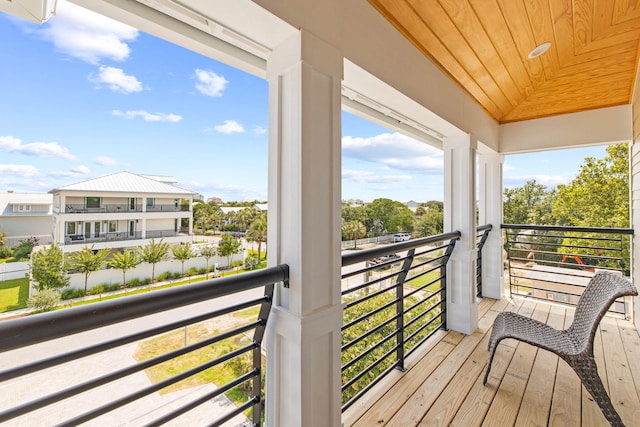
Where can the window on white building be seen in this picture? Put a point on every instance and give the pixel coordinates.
(151, 201)
(92, 202)
(22, 208)
(112, 227)
(71, 228)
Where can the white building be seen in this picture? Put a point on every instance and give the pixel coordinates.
(24, 215)
(121, 210)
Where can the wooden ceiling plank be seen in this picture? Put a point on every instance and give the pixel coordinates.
(491, 18)
(403, 17)
(542, 27)
(515, 16)
(436, 18)
(466, 20)
(567, 86)
(604, 64)
(527, 112)
(581, 25)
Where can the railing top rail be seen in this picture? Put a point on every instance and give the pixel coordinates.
(359, 256)
(484, 227)
(568, 228)
(16, 333)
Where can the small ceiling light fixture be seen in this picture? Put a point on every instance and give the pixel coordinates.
(539, 50)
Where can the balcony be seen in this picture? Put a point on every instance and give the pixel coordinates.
(408, 368)
(104, 208)
(442, 384)
(80, 239)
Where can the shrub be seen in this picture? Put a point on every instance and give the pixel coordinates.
(176, 275)
(23, 250)
(193, 271)
(135, 282)
(237, 264)
(251, 262)
(163, 276)
(5, 252)
(70, 293)
(97, 289)
(114, 287)
(44, 299)
(146, 281)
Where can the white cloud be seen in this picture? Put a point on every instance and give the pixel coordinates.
(148, 117)
(87, 35)
(229, 127)
(549, 181)
(38, 149)
(23, 171)
(370, 177)
(116, 80)
(210, 83)
(396, 151)
(77, 172)
(259, 130)
(106, 161)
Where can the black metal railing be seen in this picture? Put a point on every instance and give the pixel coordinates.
(556, 262)
(397, 303)
(103, 208)
(114, 323)
(482, 234)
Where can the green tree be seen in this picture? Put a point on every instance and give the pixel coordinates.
(258, 232)
(49, 269)
(388, 216)
(87, 261)
(124, 261)
(208, 252)
(599, 195)
(429, 223)
(3, 235)
(229, 246)
(353, 230)
(24, 249)
(183, 253)
(354, 213)
(153, 253)
(530, 204)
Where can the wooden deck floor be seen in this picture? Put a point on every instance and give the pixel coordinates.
(443, 386)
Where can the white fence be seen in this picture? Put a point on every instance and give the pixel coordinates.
(14, 270)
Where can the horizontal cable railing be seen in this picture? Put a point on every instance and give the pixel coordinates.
(482, 234)
(75, 365)
(556, 262)
(394, 299)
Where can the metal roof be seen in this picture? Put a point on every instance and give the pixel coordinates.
(124, 182)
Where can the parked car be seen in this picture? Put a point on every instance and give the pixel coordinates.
(401, 237)
(384, 259)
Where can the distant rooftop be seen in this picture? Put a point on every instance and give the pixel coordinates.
(126, 182)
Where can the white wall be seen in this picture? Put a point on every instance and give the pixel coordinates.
(13, 270)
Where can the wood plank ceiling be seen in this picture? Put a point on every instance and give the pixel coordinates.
(483, 45)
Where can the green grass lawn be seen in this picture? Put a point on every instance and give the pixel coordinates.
(14, 294)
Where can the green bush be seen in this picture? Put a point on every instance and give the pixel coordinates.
(146, 281)
(163, 276)
(71, 293)
(237, 264)
(133, 283)
(251, 262)
(176, 275)
(5, 252)
(97, 289)
(23, 250)
(193, 271)
(44, 299)
(111, 288)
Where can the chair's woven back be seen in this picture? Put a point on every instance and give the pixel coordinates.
(600, 293)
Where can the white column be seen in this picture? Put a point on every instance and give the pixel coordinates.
(459, 214)
(490, 206)
(303, 333)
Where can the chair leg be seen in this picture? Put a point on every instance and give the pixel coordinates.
(492, 352)
(587, 370)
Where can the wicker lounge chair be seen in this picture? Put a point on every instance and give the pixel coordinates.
(574, 344)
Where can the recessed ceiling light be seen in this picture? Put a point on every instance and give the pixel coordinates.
(539, 50)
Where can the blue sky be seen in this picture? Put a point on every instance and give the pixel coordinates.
(84, 96)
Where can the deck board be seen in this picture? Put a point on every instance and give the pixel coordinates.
(443, 383)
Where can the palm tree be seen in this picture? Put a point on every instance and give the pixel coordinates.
(125, 261)
(153, 253)
(258, 233)
(208, 252)
(183, 253)
(87, 261)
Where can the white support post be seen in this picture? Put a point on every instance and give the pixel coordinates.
(490, 205)
(303, 333)
(459, 215)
